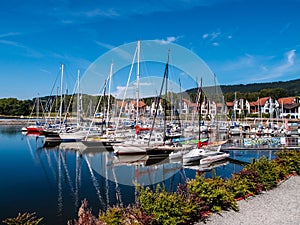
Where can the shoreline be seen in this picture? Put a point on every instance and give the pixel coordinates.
(14, 121)
(280, 205)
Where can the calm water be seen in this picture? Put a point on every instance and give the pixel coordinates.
(53, 181)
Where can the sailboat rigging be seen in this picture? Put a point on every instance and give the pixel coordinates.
(165, 77)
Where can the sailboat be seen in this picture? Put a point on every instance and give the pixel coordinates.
(207, 153)
(38, 127)
(140, 143)
(104, 138)
(62, 132)
(213, 156)
(234, 128)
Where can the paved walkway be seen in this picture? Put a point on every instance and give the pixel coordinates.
(280, 206)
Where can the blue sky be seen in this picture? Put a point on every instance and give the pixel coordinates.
(241, 41)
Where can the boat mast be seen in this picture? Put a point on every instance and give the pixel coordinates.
(61, 94)
(158, 101)
(234, 108)
(78, 98)
(138, 81)
(127, 84)
(104, 107)
(38, 107)
(166, 77)
(199, 113)
(109, 87)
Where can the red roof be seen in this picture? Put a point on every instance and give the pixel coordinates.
(141, 104)
(229, 104)
(219, 105)
(286, 101)
(119, 104)
(260, 101)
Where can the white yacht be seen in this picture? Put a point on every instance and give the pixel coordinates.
(138, 145)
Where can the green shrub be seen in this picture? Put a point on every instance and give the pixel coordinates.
(23, 219)
(166, 208)
(288, 161)
(244, 183)
(213, 192)
(136, 216)
(267, 172)
(112, 216)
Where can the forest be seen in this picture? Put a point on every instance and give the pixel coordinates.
(253, 91)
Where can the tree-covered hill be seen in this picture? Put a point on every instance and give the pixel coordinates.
(253, 91)
(292, 87)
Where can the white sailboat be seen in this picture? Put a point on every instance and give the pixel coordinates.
(193, 155)
(107, 136)
(204, 154)
(213, 156)
(138, 145)
(140, 142)
(63, 132)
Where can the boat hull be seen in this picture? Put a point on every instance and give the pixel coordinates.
(129, 149)
(214, 158)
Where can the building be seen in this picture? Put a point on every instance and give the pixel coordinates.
(266, 105)
(129, 107)
(289, 107)
(238, 108)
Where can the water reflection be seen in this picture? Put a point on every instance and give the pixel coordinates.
(9, 130)
(208, 167)
(57, 177)
(112, 178)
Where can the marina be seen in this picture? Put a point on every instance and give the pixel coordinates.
(53, 180)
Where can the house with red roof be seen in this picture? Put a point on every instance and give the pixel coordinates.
(289, 107)
(208, 108)
(264, 105)
(155, 107)
(240, 107)
(129, 107)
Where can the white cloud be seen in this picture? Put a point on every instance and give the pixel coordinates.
(9, 34)
(204, 36)
(261, 68)
(101, 13)
(246, 61)
(119, 92)
(45, 71)
(168, 40)
(119, 51)
(12, 43)
(25, 50)
(291, 56)
(284, 67)
(79, 13)
(145, 84)
(216, 37)
(105, 45)
(212, 36)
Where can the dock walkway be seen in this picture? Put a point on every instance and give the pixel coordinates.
(280, 205)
